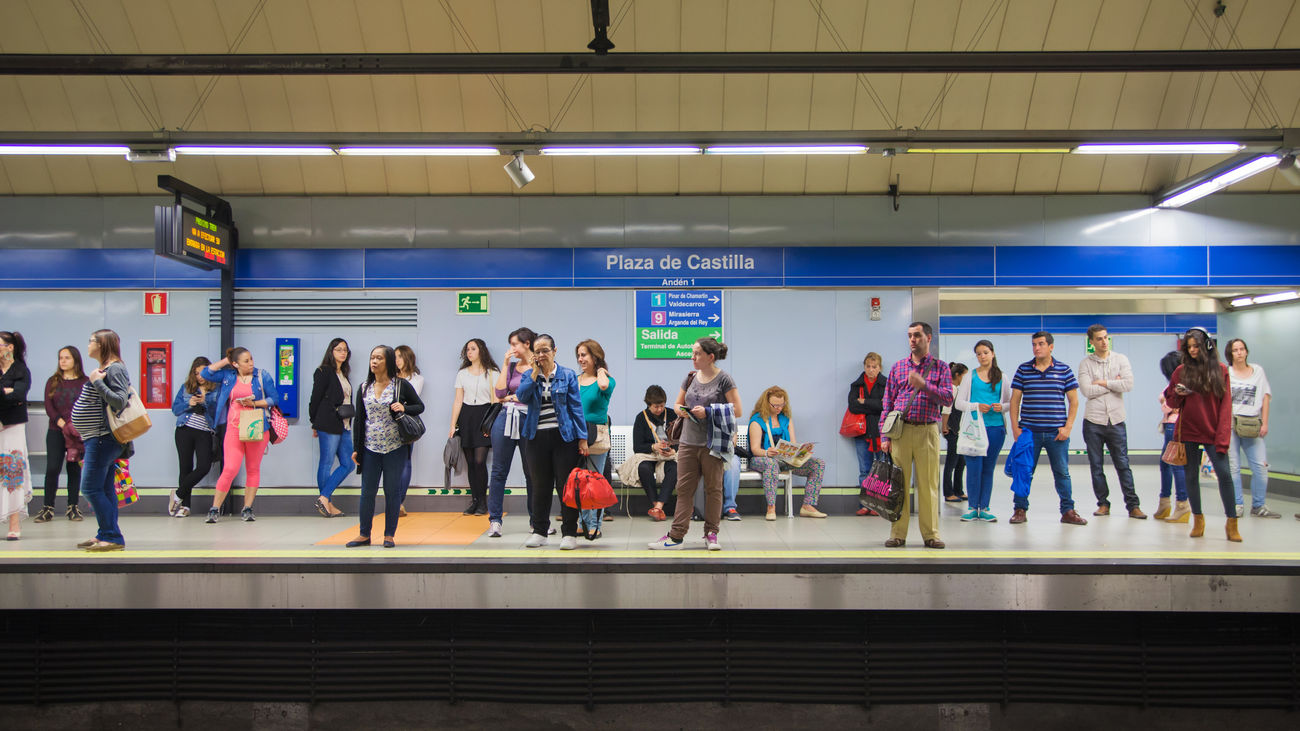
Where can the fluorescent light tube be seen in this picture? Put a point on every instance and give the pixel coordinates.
(785, 149)
(444, 151)
(618, 150)
(989, 150)
(120, 150)
(276, 150)
(1221, 181)
(1243, 302)
(1159, 148)
(1267, 299)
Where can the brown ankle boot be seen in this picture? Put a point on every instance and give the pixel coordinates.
(1163, 512)
(1198, 526)
(1182, 510)
(1231, 528)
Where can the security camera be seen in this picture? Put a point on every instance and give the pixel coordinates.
(1287, 166)
(519, 173)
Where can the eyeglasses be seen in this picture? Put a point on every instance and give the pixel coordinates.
(543, 351)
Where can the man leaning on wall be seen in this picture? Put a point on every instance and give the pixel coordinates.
(1104, 377)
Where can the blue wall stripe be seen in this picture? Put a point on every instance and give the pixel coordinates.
(1071, 324)
(878, 266)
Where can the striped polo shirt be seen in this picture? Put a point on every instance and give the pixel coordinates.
(1042, 402)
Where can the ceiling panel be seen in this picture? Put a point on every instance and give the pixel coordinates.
(656, 176)
(575, 175)
(742, 174)
(1079, 173)
(446, 175)
(995, 173)
(1096, 101)
(954, 174)
(29, 175)
(748, 26)
(1067, 20)
(1038, 174)
(281, 174)
(700, 175)
(71, 175)
(1118, 24)
(784, 174)
(826, 174)
(615, 175)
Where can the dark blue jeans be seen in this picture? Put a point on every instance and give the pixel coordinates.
(1171, 476)
(1058, 453)
(1115, 438)
(1192, 471)
(390, 466)
(866, 458)
(97, 485)
(332, 447)
(503, 453)
(979, 470)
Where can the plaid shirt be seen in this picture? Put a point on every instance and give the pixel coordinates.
(921, 407)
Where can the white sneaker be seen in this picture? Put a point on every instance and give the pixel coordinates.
(494, 530)
(182, 512)
(568, 543)
(172, 503)
(1241, 511)
(535, 541)
(665, 543)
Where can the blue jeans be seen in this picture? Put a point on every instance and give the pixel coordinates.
(333, 446)
(1115, 438)
(1171, 477)
(731, 485)
(97, 485)
(406, 476)
(503, 453)
(979, 470)
(1058, 453)
(374, 465)
(1258, 458)
(598, 462)
(1192, 471)
(866, 458)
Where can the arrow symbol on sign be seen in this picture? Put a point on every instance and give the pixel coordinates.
(714, 300)
(715, 334)
(715, 318)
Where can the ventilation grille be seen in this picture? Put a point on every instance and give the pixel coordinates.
(311, 311)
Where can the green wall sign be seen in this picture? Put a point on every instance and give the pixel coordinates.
(471, 303)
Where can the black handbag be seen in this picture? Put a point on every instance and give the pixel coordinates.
(409, 427)
(490, 418)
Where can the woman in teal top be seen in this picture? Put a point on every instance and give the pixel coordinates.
(768, 425)
(596, 387)
(987, 392)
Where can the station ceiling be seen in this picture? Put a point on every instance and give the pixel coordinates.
(644, 102)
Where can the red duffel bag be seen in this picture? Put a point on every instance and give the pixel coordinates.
(588, 490)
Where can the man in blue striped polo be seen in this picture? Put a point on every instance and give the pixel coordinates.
(1044, 401)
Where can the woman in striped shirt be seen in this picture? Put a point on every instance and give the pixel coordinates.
(109, 386)
(194, 407)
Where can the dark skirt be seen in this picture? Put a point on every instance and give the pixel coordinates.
(471, 426)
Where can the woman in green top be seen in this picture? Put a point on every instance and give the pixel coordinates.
(596, 387)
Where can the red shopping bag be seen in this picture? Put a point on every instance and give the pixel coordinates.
(588, 490)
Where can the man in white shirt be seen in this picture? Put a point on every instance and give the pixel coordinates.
(1104, 378)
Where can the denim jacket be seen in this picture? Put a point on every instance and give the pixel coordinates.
(181, 405)
(263, 388)
(566, 397)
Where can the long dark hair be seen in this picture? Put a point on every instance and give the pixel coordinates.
(408, 357)
(193, 383)
(390, 361)
(484, 355)
(995, 373)
(327, 362)
(596, 352)
(1202, 374)
(110, 345)
(20, 346)
(53, 383)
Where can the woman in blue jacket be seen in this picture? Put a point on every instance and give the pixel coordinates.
(243, 386)
(555, 433)
(195, 406)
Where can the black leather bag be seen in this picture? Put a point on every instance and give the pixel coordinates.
(409, 427)
(490, 418)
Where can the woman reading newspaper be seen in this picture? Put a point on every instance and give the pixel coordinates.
(772, 440)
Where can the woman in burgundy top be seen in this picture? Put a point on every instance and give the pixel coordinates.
(63, 447)
(1199, 390)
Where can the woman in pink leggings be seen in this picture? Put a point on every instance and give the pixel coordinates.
(243, 387)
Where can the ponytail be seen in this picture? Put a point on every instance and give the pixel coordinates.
(15, 339)
(995, 373)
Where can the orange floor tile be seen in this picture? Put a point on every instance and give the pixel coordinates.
(421, 529)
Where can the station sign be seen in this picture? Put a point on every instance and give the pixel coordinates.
(669, 321)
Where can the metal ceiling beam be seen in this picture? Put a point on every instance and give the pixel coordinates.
(907, 62)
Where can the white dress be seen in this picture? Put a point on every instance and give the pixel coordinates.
(15, 471)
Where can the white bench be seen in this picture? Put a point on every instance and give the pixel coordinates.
(620, 448)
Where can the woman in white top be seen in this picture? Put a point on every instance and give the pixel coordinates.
(1250, 398)
(475, 392)
(407, 369)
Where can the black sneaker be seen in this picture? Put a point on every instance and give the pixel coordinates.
(45, 515)
(213, 515)
(732, 514)
(74, 513)
(246, 515)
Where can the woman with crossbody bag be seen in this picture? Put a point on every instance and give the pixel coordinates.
(107, 387)
(242, 401)
(1250, 401)
(651, 450)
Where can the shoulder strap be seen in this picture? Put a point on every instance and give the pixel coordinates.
(651, 424)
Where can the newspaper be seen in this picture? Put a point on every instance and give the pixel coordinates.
(790, 453)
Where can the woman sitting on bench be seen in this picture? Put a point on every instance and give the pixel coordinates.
(768, 425)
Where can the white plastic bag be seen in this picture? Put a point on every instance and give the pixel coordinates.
(972, 437)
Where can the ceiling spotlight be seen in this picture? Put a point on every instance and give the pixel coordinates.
(519, 173)
(1289, 170)
(164, 154)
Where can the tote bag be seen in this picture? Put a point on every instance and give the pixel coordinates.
(252, 425)
(883, 489)
(132, 422)
(972, 436)
(599, 438)
(853, 425)
(123, 485)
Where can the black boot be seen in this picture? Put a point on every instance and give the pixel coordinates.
(480, 504)
(472, 508)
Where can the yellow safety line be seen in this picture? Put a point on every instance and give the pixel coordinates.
(377, 554)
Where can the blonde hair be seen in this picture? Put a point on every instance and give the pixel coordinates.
(764, 408)
(873, 356)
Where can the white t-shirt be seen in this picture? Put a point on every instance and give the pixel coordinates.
(478, 389)
(1248, 393)
(417, 382)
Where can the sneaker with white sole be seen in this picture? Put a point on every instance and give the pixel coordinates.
(987, 517)
(246, 515)
(568, 543)
(535, 541)
(173, 503)
(732, 514)
(1241, 510)
(213, 515)
(1263, 512)
(494, 530)
(971, 516)
(665, 543)
(711, 541)
(182, 512)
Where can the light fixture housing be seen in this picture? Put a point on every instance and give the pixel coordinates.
(619, 150)
(418, 151)
(518, 172)
(1158, 148)
(140, 154)
(1268, 299)
(786, 149)
(256, 150)
(1001, 150)
(1243, 302)
(120, 150)
(1216, 179)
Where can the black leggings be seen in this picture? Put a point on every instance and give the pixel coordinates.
(551, 459)
(56, 452)
(1192, 470)
(194, 451)
(954, 467)
(476, 468)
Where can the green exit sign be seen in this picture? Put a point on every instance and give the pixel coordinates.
(471, 303)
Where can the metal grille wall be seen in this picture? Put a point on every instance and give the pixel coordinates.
(312, 311)
(1184, 659)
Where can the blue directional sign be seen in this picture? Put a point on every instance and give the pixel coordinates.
(668, 322)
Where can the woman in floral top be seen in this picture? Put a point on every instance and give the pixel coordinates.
(379, 447)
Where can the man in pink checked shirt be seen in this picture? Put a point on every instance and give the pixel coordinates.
(918, 386)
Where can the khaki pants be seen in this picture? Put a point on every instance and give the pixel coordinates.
(918, 445)
(692, 463)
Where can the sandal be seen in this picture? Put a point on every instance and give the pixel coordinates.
(320, 507)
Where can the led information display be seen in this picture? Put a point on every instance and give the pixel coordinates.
(191, 238)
